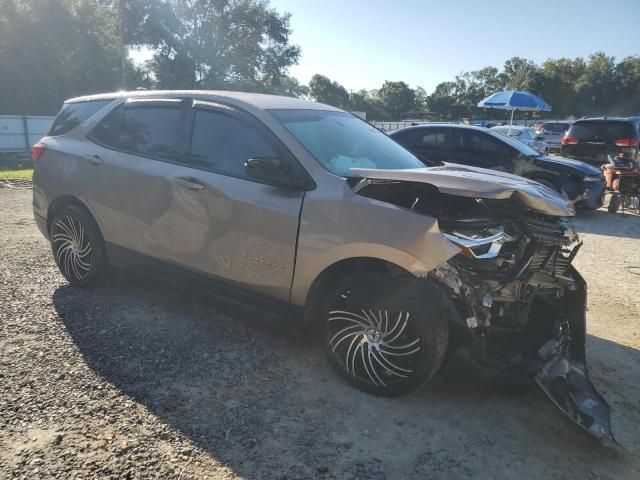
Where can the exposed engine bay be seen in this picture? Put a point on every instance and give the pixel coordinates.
(518, 300)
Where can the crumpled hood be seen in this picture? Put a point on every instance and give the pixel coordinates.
(475, 182)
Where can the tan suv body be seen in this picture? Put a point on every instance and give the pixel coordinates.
(400, 267)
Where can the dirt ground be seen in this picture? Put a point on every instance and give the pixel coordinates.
(137, 379)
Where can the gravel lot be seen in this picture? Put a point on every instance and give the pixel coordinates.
(137, 379)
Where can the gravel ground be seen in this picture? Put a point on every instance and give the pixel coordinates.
(137, 379)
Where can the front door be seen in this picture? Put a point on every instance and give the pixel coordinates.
(219, 220)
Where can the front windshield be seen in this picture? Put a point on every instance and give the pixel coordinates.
(525, 150)
(341, 141)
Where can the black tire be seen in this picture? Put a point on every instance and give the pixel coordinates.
(614, 204)
(385, 337)
(77, 246)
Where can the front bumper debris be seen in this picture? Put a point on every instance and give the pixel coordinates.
(564, 376)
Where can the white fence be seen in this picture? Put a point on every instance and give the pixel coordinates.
(18, 133)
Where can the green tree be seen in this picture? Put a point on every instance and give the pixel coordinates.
(323, 90)
(51, 50)
(559, 79)
(219, 44)
(521, 74)
(596, 88)
(397, 99)
(289, 87)
(444, 102)
(368, 102)
(628, 81)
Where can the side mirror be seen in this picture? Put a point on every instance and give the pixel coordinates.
(540, 137)
(273, 171)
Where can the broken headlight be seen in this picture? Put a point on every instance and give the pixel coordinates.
(484, 244)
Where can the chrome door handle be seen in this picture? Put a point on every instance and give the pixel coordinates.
(94, 159)
(190, 183)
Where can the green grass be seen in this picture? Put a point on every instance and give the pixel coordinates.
(24, 174)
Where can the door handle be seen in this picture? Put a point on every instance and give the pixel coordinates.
(94, 159)
(190, 183)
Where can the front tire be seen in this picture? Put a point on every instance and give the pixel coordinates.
(387, 341)
(77, 246)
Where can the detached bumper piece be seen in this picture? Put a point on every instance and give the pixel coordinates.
(567, 384)
(564, 376)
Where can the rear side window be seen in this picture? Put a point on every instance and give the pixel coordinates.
(555, 127)
(151, 131)
(73, 114)
(107, 132)
(479, 143)
(433, 138)
(602, 131)
(223, 143)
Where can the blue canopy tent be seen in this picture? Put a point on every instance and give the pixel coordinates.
(515, 100)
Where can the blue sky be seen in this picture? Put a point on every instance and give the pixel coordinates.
(363, 43)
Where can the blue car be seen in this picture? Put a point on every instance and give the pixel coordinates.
(436, 144)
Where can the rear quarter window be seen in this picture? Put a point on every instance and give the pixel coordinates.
(73, 114)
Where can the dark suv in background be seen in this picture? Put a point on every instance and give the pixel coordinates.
(436, 144)
(598, 140)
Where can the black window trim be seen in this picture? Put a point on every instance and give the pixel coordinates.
(185, 130)
(180, 103)
(83, 102)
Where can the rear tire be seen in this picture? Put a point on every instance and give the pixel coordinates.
(77, 246)
(389, 340)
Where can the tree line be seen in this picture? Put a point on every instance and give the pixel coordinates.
(573, 87)
(51, 50)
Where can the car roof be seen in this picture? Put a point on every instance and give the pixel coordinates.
(436, 125)
(256, 100)
(612, 119)
(513, 127)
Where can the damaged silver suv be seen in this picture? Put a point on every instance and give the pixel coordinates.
(312, 211)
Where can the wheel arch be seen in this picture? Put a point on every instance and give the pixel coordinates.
(66, 200)
(341, 268)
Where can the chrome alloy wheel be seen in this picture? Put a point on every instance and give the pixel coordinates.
(72, 247)
(378, 347)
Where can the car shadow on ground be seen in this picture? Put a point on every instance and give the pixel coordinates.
(261, 400)
(601, 222)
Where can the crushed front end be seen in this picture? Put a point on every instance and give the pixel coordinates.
(517, 305)
(524, 304)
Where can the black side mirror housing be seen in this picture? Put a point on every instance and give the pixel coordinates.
(540, 137)
(275, 172)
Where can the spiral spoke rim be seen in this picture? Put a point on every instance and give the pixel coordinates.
(72, 247)
(379, 347)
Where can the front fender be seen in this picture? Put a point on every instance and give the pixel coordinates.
(334, 229)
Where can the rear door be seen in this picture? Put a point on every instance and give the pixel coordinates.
(430, 144)
(142, 145)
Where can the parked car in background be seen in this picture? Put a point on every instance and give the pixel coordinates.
(525, 135)
(581, 183)
(312, 211)
(598, 140)
(553, 132)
